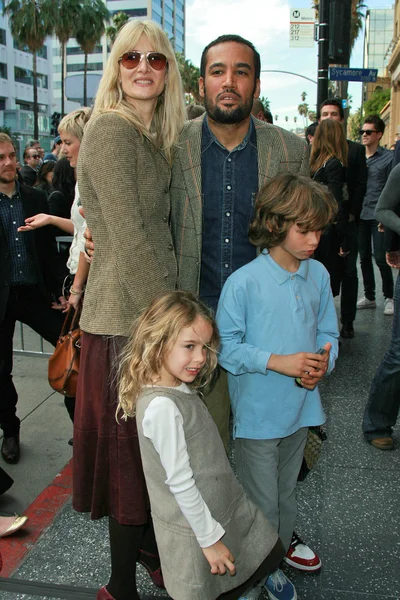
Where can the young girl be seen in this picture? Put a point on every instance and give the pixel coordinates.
(204, 523)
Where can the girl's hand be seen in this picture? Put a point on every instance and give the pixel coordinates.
(296, 365)
(219, 559)
(35, 222)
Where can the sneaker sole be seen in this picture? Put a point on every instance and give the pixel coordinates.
(365, 307)
(296, 565)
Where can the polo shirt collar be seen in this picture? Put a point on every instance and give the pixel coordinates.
(278, 273)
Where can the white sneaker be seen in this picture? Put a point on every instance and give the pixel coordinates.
(388, 307)
(365, 303)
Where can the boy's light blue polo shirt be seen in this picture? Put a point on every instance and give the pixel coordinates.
(266, 310)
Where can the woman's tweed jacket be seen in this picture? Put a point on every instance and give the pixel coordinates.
(124, 187)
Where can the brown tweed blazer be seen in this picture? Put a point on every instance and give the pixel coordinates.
(124, 188)
(278, 150)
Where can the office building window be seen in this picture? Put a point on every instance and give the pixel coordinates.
(3, 71)
(26, 76)
(42, 53)
(80, 67)
(78, 50)
(3, 37)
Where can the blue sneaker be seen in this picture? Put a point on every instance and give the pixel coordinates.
(279, 587)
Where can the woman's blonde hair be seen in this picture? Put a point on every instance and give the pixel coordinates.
(289, 199)
(153, 335)
(329, 142)
(74, 122)
(169, 114)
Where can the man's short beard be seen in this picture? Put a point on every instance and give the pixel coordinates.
(7, 181)
(224, 116)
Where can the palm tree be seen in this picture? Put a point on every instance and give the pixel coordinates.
(302, 109)
(190, 75)
(119, 20)
(89, 31)
(31, 21)
(68, 15)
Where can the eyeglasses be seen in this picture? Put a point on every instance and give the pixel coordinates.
(131, 60)
(367, 131)
(35, 155)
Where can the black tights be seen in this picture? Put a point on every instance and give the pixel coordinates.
(125, 543)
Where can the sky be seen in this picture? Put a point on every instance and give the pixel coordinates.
(266, 24)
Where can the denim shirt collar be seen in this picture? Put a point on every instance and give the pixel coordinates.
(279, 273)
(208, 138)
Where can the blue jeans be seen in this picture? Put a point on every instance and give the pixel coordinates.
(384, 398)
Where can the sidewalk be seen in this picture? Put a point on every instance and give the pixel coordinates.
(349, 505)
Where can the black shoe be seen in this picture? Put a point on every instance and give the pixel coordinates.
(347, 330)
(10, 449)
(71, 442)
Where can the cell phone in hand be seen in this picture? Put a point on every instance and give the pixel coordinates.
(298, 379)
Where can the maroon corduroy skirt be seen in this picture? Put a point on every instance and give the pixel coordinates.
(108, 476)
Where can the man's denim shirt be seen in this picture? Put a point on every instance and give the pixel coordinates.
(379, 167)
(12, 217)
(229, 186)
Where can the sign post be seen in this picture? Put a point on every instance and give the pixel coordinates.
(302, 27)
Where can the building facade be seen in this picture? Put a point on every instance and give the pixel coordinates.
(394, 73)
(377, 37)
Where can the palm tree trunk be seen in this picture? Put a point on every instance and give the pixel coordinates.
(85, 81)
(62, 78)
(35, 98)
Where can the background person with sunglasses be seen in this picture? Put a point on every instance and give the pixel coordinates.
(379, 163)
(124, 172)
(32, 162)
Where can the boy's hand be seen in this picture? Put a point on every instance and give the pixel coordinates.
(308, 366)
(219, 559)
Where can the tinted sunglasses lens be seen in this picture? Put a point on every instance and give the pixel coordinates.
(130, 60)
(366, 131)
(157, 61)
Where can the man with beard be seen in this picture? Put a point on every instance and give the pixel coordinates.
(222, 160)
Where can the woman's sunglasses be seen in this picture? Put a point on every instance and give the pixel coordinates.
(131, 60)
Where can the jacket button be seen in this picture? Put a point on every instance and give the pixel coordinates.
(165, 219)
(170, 247)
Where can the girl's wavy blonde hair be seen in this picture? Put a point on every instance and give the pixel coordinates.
(169, 115)
(329, 142)
(153, 335)
(74, 122)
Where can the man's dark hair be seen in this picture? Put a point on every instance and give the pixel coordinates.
(331, 102)
(311, 129)
(377, 122)
(268, 116)
(223, 39)
(26, 152)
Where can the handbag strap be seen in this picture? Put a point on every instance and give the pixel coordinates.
(71, 320)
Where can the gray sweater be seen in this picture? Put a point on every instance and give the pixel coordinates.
(249, 536)
(389, 202)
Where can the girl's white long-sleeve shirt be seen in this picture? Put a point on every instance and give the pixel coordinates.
(163, 425)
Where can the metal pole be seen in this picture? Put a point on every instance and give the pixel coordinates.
(323, 42)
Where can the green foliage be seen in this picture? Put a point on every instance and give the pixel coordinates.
(377, 101)
(30, 23)
(354, 126)
(89, 31)
(265, 102)
(190, 75)
(68, 16)
(118, 21)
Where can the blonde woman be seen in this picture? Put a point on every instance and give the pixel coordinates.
(124, 174)
(328, 162)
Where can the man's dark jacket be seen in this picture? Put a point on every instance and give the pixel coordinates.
(41, 247)
(357, 175)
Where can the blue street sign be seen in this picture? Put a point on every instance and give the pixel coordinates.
(344, 103)
(346, 74)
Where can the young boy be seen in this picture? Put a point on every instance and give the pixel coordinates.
(274, 314)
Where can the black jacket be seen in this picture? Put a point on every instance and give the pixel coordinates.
(40, 245)
(357, 175)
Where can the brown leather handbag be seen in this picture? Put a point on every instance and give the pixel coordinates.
(64, 364)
